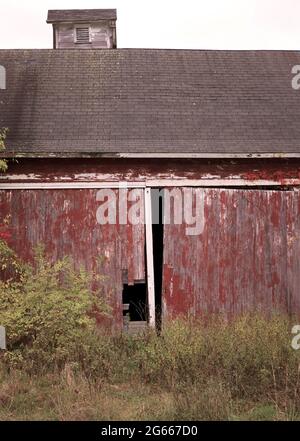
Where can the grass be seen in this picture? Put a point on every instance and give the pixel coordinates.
(244, 370)
(60, 397)
(52, 397)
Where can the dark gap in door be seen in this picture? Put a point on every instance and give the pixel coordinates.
(135, 307)
(135, 299)
(157, 202)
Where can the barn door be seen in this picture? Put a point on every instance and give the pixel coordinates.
(67, 222)
(245, 257)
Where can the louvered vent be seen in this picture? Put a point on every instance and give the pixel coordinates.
(83, 35)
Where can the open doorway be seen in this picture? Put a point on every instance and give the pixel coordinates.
(135, 308)
(142, 301)
(157, 203)
(135, 301)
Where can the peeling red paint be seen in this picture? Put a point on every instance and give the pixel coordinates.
(4, 234)
(277, 170)
(64, 221)
(246, 259)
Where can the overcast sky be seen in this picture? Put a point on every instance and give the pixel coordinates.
(191, 24)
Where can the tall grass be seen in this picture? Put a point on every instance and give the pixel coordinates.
(245, 369)
(59, 365)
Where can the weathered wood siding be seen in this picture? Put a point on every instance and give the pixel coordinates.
(246, 258)
(211, 172)
(65, 222)
(102, 36)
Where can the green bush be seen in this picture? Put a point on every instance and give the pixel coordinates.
(48, 311)
(3, 162)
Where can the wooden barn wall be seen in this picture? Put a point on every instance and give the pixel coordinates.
(65, 222)
(246, 258)
(278, 171)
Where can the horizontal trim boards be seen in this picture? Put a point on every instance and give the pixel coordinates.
(148, 183)
(150, 155)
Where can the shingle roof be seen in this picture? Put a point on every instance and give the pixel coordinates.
(137, 100)
(76, 15)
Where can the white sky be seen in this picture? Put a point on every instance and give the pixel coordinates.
(191, 24)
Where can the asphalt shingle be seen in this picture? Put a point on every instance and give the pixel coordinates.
(144, 100)
(78, 15)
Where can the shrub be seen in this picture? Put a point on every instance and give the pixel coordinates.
(48, 311)
(251, 356)
(3, 162)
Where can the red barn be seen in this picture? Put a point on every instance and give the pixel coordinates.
(201, 148)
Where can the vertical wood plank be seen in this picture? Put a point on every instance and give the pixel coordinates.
(240, 262)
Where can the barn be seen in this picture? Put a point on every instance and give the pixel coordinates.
(175, 174)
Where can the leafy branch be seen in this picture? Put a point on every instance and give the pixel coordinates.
(3, 162)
